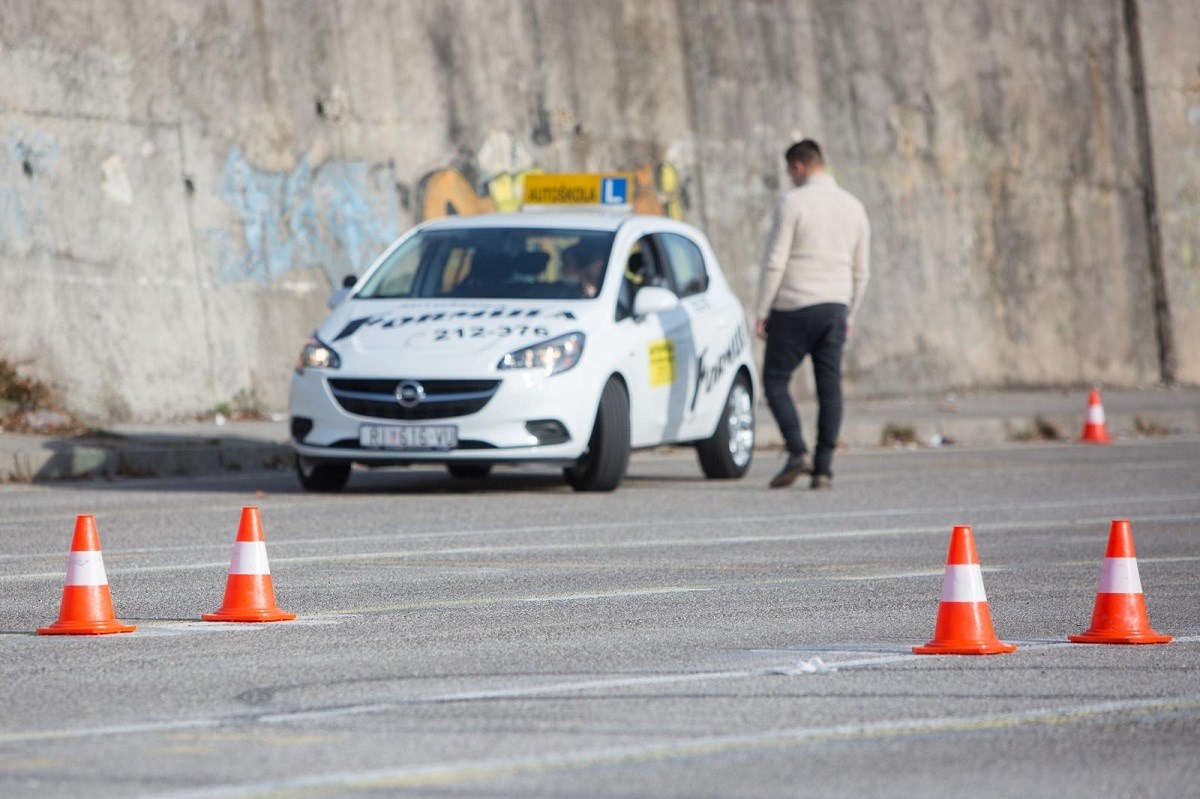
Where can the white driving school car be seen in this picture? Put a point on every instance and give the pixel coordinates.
(563, 338)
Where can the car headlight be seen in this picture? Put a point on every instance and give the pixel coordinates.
(316, 353)
(553, 356)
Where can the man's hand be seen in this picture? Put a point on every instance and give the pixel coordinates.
(760, 328)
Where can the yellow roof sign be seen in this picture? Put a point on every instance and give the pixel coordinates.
(607, 190)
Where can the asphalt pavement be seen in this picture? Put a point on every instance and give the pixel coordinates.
(197, 448)
(681, 637)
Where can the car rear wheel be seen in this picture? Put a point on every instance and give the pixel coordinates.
(323, 477)
(602, 467)
(726, 455)
(466, 471)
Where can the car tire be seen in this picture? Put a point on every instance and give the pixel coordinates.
(603, 466)
(468, 471)
(322, 477)
(727, 454)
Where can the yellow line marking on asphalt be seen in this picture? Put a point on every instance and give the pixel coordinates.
(187, 750)
(467, 771)
(213, 736)
(192, 508)
(1175, 559)
(211, 741)
(29, 764)
(300, 740)
(153, 628)
(1099, 561)
(502, 600)
(634, 592)
(158, 628)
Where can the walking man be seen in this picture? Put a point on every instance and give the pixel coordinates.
(813, 277)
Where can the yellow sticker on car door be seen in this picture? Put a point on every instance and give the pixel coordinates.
(662, 363)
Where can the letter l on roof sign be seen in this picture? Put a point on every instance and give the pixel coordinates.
(614, 191)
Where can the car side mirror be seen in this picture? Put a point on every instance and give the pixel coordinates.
(338, 295)
(652, 299)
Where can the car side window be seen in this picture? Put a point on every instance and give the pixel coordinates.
(686, 263)
(642, 268)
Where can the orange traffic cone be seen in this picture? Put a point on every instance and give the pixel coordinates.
(87, 607)
(1095, 431)
(249, 593)
(1119, 616)
(964, 625)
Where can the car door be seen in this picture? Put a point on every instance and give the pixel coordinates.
(659, 351)
(715, 333)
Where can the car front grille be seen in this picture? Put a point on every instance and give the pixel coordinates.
(443, 399)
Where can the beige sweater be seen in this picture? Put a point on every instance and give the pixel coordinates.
(819, 250)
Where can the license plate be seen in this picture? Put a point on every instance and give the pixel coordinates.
(409, 436)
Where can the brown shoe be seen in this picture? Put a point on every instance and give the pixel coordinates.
(793, 467)
(821, 481)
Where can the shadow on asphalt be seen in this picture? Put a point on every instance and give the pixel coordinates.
(284, 482)
(391, 481)
(231, 464)
(281, 480)
(112, 457)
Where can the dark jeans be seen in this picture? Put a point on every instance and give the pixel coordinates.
(818, 331)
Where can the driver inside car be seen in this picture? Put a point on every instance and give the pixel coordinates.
(583, 267)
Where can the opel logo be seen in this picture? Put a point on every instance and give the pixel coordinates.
(410, 393)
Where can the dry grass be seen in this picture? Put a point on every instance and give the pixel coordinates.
(27, 405)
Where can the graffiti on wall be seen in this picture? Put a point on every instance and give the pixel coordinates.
(337, 216)
(26, 157)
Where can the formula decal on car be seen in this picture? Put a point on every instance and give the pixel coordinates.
(662, 363)
(708, 377)
(392, 320)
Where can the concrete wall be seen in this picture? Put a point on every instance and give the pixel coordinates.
(1172, 86)
(181, 182)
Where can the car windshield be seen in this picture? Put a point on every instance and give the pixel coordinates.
(494, 263)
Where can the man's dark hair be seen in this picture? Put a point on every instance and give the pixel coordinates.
(807, 152)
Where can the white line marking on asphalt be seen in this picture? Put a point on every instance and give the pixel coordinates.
(516, 692)
(160, 628)
(520, 692)
(472, 602)
(706, 746)
(643, 523)
(153, 628)
(598, 545)
(739, 520)
(354, 710)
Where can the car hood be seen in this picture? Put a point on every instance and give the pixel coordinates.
(449, 329)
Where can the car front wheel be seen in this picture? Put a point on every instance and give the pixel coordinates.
(323, 477)
(602, 467)
(726, 455)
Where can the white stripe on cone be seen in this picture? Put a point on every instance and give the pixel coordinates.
(1095, 414)
(1120, 576)
(86, 568)
(249, 557)
(963, 583)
